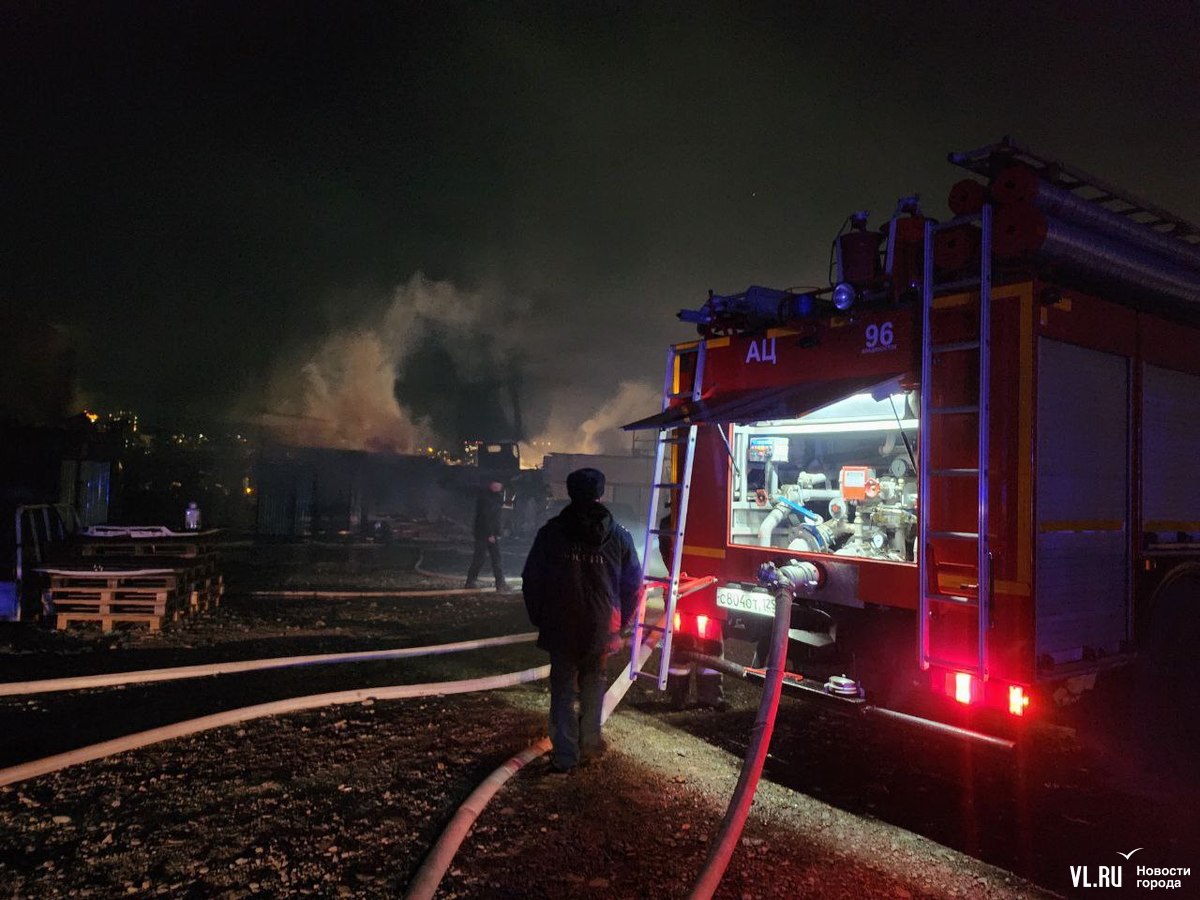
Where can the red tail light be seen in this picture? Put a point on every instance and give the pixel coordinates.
(969, 690)
(962, 687)
(1018, 700)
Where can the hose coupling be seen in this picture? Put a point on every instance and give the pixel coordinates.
(797, 577)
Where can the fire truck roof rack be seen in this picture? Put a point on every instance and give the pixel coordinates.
(988, 161)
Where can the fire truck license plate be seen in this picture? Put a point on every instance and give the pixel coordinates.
(755, 602)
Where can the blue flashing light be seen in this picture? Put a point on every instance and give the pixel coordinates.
(844, 296)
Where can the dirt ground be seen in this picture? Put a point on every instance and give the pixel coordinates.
(345, 801)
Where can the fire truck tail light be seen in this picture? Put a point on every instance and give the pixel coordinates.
(700, 626)
(1018, 700)
(960, 686)
(969, 690)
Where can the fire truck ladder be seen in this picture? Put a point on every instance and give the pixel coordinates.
(937, 479)
(674, 477)
(986, 161)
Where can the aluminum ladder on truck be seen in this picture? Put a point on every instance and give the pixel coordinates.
(940, 478)
(1082, 186)
(682, 382)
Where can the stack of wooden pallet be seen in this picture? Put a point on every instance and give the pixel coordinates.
(114, 595)
(135, 575)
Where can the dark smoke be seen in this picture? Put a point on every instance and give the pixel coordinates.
(476, 400)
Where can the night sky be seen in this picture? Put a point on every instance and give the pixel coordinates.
(281, 208)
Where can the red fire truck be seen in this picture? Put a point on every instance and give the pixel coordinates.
(981, 435)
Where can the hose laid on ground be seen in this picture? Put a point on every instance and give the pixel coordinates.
(46, 685)
(433, 869)
(363, 595)
(48, 764)
(783, 583)
(434, 866)
(514, 581)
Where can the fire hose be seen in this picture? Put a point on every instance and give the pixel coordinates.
(784, 582)
(174, 673)
(48, 764)
(434, 867)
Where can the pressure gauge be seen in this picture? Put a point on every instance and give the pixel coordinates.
(899, 467)
(878, 539)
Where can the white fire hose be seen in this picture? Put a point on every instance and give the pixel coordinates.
(433, 869)
(173, 673)
(48, 764)
(785, 583)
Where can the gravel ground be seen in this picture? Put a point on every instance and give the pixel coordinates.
(346, 801)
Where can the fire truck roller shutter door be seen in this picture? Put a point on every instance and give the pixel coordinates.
(1082, 483)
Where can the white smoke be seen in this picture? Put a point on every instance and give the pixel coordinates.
(341, 393)
(341, 396)
(422, 304)
(577, 427)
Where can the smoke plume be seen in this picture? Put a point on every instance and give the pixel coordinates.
(440, 364)
(575, 426)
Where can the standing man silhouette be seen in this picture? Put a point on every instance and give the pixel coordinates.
(488, 504)
(581, 583)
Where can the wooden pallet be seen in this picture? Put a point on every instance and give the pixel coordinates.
(107, 607)
(180, 549)
(109, 620)
(114, 579)
(110, 610)
(150, 588)
(115, 595)
(110, 601)
(116, 541)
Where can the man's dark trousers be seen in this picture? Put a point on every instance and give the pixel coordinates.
(484, 547)
(571, 732)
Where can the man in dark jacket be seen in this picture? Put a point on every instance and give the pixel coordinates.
(487, 535)
(581, 584)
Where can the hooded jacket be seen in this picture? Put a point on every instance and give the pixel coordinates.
(581, 581)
